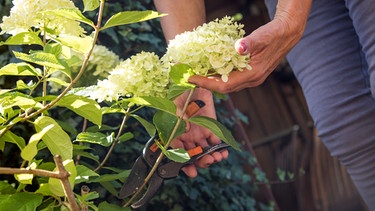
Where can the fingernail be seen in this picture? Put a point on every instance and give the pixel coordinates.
(243, 48)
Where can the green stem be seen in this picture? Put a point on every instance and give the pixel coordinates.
(115, 141)
(161, 156)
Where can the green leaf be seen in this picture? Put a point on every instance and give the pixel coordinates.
(165, 124)
(24, 178)
(19, 69)
(155, 102)
(40, 58)
(96, 138)
(150, 128)
(179, 155)
(128, 17)
(175, 90)
(216, 128)
(111, 177)
(84, 174)
(83, 106)
(29, 152)
(56, 139)
(90, 5)
(21, 201)
(180, 73)
(23, 38)
(44, 190)
(55, 185)
(6, 188)
(80, 44)
(107, 206)
(126, 137)
(13, 138)
(72, 14)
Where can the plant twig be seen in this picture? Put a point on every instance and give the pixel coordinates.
(114, 142)
(64, 177)
(160, 158)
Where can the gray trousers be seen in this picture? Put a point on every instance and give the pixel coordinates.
(335, 64)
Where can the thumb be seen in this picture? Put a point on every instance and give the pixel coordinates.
(242, 47)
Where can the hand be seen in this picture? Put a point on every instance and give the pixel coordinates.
(267, 45)
(197, 135)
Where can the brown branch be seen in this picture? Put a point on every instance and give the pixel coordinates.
(64, 177)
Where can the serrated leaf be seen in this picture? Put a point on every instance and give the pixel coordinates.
(40, 58)
(180, 73)
(72, 14)
(155, 102)
(30, 201)
(96, 138)
(56, 186)
(165, 124)
(56, 139)
(23, 38)
(90, 5)
(128, 17)
(83, 106)
(150, 128)
(216, 128)
(19, 69)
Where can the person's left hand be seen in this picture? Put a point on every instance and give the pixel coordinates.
(197, 135)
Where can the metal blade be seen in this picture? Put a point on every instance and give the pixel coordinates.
(135, 179)
(154, 185)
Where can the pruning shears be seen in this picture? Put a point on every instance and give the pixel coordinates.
(167, 169)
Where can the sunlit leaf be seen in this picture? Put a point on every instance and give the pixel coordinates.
(216, 128)
(90, 5)
(175, 90)
(19, 69)
(126, 137)
(56, 139)
(40, 58)
(110, 177)
(96, 138)
(13, 138)
(128, 17)
(72, 14)
(180, 74)
(56, 186)
(29, 152)
(80, 44)
(155, 102)
(179, 155)
(23, 38)
(83, 106)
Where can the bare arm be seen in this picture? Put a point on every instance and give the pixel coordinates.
(183, 15)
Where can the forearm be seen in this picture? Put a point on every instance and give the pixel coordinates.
(183, 15)
(293, 15)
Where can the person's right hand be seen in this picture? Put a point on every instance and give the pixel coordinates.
(267, 45)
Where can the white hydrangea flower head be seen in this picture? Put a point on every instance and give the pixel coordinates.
(102, 60)
(28, 14)
(143, 74)
(209, 49)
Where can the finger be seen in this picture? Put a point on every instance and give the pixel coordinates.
(190, 171)
(242, 47)
(205, 161)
